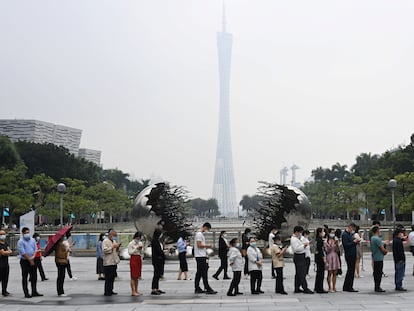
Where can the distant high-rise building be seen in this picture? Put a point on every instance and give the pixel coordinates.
(223, 186)
(90, 155)
(42, 132)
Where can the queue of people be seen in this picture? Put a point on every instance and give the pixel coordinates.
(233, 254)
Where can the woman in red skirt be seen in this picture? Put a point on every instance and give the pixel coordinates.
(136, 250)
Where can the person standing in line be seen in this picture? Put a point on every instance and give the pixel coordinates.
(236, 264)
(349, 245)
(358, 252)
(135, 250)
(277, 251)
(223, 250)
(99, 258)
(69, 248)
(305, 239)
(5, 252)
(320, 260)
(38, 257)
(378, 252)
(110, 250)
(411, 241)
(298, 248)
(270, 240)
(61, 260)
(399, 259)
(200, 254)
(27, 249)
(245, 245)
(158, 261)
(182, 255)
(332, 260)
(255, 258)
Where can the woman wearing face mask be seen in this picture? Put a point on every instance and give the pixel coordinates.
(332, 260)
(223, 249)
(277, 250)
(236, 263)
(255, 258)
(136, 250)
(38, 257)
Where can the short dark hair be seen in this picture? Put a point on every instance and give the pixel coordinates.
(375, 230)
(376, 222)
(137, 234)
(277, 238)
(207, 225)
(306, 232)
(35, 235)
(25, 229)
(233, 241)
(352, 225)
(298, 229)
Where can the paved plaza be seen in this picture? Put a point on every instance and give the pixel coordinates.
(86, 293)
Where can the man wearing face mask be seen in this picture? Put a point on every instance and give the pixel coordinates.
(200, 254)
(399, 259)
(299, 249)
(110, 250)
(349, 243)
(5, 252)
(27, 249)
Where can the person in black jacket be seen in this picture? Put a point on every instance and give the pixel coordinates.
(320, 262)
(349, 245)
(223, 249)
(158, 261)
(399, 259)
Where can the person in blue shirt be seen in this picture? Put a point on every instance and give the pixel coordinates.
(182, 255)
(378, 251)
(99, 258)
(27, 249)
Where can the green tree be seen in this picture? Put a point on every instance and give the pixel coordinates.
(9, 157)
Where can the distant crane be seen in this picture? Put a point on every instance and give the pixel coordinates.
(283, 174)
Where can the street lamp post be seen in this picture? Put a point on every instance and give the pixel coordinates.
(61, 188)
(392, 184)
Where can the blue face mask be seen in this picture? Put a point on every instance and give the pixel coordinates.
(253, 244)
(26, 236)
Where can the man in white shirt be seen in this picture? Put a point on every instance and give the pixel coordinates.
(411, 241)
(200, 254)
(298, 248)
(272, 234)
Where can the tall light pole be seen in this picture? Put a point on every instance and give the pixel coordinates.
(61, 188)
(392, 184)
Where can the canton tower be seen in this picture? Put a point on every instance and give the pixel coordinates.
(223, 187)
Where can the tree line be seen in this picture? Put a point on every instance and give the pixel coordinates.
(30, 172)
(362, 190)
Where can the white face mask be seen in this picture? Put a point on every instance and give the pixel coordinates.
(2, 237)
(26, 236)
(331, 235)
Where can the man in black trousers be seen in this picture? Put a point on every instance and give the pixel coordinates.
(349, 245)
(299, 260)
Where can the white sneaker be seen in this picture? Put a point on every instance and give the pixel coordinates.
(63, 295)
(74, 278)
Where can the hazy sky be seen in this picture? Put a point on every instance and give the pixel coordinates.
(312, 82)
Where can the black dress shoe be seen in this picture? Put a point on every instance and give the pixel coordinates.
(231, 294)
(260, 291)
(239, 293)
(113, 293)
(161, 291)
(216, 277)
(211, 292)
(155, 293)
(227, 278)
(308, 291)
(199, 291)
(379, 290)
(401, 289)
(297, 291)
(322, 291)
(5, 294)
(255, 293)
(27, 296)
(37, 295)
(283, 293)
(350, 290)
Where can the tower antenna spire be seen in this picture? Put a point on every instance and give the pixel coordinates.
(223, 20)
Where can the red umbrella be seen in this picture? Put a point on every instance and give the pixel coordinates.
(54, 239)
